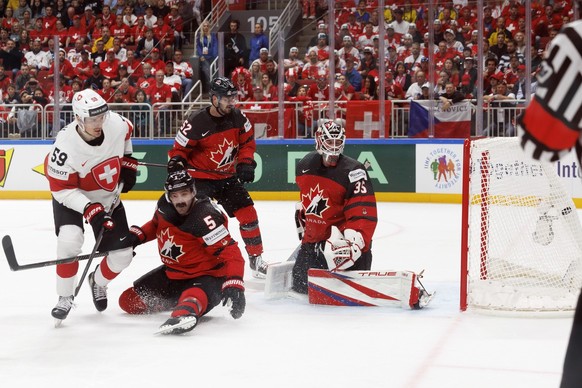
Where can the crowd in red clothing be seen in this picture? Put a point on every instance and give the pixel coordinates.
(407, 44)
(116, 47)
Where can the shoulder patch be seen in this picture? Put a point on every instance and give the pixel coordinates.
(248, 125)
(181, 139)
(215, 235)
(53, 172)
(356, 175)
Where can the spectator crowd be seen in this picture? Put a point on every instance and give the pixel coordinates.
(406, 58)
(131, 51)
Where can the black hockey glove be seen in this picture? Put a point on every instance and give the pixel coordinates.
(176, 163)
(128, 173)
(300, 220)
(233, 296)
(95, 215)
(136, 235)
(245, 172)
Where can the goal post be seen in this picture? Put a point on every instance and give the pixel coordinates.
(521, 235)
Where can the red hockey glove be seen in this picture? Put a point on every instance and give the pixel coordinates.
(136, 235)
(128, 172)
(176, 163)
(233, 296)
(95, 215)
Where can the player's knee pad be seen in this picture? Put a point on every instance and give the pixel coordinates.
(132, 303)
(69, 241)
(247, 218)
(120, 259)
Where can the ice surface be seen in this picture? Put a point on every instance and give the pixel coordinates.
(281, 343)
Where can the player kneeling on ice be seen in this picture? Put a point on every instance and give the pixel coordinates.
(335, 191)
(89, 158)
(202, 263)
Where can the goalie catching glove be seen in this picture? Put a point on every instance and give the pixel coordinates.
(342, 250)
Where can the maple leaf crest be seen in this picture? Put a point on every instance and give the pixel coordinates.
(169, 250)
(314, 202)
(225, 155)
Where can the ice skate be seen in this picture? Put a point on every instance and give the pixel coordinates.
(99, 293)
(258, 267)
(178, 325)
(61, 310)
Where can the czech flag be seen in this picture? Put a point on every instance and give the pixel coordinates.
(454, 122)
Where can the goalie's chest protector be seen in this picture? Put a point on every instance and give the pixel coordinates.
(323, 194)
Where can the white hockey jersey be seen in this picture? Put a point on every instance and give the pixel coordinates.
(79, 173)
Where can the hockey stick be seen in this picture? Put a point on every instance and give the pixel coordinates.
(189, 168)
(279, 277)
(14, 266)
(93, 253)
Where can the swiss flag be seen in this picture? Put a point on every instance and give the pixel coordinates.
(266, 122)
(106, 173)
(363, 119)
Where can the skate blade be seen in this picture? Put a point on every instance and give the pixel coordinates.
(179, 328)
(58, 323)
(427, 300)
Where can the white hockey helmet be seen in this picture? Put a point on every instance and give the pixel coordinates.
(330, 138)
(88, 103)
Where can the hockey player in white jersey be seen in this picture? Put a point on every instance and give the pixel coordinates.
(88, 160)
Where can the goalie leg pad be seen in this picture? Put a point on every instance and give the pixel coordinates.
(363, 288)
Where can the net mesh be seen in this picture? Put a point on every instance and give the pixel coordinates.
(524, 232)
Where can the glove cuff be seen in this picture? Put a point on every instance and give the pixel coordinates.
(138, 232)
(129, 162)
(250, 162)
(91, 209)
(234, 282)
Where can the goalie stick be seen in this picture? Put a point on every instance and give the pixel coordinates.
(15, 266)
(189, 168)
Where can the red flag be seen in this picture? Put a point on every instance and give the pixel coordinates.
(266, 122)
(363, 119)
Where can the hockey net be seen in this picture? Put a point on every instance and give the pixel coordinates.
(521, 233)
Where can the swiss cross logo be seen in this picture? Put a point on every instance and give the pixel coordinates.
(106, 173)
(314, 202)
(225, 155)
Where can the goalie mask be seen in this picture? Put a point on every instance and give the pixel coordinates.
(180, 191)
(329, 141)
(90, 111)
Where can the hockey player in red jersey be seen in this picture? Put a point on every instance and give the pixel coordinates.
(202, 264)
(337, 208)
(549, 128)
(89, 158)
(219, 141)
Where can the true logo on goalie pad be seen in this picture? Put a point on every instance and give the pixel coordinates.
(363, 288)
